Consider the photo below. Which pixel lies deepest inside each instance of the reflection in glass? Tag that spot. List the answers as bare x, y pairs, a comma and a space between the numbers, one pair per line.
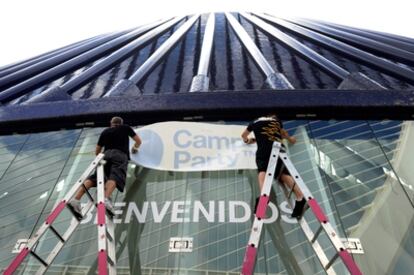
359, 171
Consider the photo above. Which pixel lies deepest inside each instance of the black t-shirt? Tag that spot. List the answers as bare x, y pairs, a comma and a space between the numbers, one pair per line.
116, 138
266, 130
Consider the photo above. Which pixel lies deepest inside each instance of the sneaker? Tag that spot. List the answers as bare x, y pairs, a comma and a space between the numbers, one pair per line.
298, 210
109, 206
76, 208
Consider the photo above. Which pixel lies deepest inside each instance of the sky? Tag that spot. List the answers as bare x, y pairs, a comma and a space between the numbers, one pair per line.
32, 27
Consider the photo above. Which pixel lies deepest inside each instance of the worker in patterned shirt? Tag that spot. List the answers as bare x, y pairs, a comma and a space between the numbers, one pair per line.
266, 130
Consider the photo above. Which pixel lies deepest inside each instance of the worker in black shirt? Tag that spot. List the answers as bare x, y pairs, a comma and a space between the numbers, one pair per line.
115, 142
267, 130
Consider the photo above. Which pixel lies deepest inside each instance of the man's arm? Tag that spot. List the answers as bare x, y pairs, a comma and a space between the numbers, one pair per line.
245, 137
137, 144
285, 135
98, 150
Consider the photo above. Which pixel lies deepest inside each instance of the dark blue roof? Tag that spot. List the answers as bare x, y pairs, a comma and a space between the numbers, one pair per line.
148, 63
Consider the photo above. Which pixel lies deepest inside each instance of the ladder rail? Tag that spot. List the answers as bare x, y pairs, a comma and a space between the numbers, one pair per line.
68, 233
323, 259
257, 226
106, 264
59, 208
323, 220
29, 248
314, 205
111, 247
84, 176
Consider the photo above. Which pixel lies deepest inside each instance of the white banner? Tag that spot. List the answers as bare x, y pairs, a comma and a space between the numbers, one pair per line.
193, 146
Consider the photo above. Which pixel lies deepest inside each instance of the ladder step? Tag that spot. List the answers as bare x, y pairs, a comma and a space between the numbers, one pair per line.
316, 235
43, 262
330, 263
110, 237
77, 215
88, 193
57, 234
110, 261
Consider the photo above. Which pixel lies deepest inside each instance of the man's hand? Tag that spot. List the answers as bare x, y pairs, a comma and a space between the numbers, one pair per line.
292, 140
245, 137
250, 140
285, 135
134, 150
137, 144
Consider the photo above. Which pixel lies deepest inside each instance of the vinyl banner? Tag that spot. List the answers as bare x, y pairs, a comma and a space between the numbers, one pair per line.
193, 146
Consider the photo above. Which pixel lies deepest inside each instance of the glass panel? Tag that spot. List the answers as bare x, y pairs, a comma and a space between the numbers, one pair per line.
358, 171
81, 249
36, 163
395, 138
370, 200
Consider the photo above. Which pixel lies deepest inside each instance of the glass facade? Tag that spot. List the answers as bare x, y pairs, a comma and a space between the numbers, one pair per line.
360, 172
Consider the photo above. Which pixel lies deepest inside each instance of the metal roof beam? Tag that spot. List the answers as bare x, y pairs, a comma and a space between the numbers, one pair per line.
130, 86
163, 50
306, 52
408, 46
390, 35
200, 82
85, 76
27, 72
366, 43
119, 54
379, 63
275, 80
11, 68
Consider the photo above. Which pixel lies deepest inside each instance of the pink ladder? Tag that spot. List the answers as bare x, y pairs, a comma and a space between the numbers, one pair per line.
253, 244
106, 237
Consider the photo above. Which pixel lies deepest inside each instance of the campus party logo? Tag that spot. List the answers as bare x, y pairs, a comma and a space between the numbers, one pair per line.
205, 150
192, 211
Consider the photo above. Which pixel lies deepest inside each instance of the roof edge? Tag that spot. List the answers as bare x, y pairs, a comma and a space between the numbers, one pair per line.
223, 105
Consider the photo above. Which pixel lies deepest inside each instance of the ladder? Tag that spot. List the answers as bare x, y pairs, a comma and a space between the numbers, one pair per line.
253, 244
106, 228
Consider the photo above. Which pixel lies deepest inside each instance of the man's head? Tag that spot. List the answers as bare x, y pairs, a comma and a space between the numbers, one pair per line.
116, 121
272, 114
